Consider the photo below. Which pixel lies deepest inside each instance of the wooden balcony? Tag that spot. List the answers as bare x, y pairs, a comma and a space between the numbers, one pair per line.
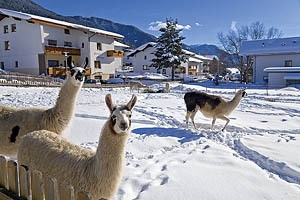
53, 50
115, 53
61, 71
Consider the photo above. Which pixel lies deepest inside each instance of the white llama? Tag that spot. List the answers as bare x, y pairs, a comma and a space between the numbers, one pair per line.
210, 106
98, 173
14, 122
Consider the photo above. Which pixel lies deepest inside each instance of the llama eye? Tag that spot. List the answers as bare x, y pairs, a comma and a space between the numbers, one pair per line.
129, 116
114, 116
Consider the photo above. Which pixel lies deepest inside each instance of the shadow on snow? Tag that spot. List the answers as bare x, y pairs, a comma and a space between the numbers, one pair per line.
183, 135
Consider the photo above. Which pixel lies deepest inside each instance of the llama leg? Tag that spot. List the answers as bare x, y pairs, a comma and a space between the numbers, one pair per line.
213, 123
192, 117
225, 119
187, 117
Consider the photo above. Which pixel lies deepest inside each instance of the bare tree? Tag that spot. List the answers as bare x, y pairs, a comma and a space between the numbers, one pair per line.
231, 43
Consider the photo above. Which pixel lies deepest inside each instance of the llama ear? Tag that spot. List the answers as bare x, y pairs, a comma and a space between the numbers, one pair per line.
86, 62
108, 102
132, 102
69, 62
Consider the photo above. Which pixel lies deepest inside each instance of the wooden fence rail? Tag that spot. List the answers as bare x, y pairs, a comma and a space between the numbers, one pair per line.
20, 183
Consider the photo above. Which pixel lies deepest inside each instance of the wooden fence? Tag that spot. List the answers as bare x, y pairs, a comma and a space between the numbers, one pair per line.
20, 183
18, 79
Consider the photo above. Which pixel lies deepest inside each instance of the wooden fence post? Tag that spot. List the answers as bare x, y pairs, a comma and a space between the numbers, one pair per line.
82, 195
66, 192
3, 172
51, 190
37, 185
13, 182
24, 180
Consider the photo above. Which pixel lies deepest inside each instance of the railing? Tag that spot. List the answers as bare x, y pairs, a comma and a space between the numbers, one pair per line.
115, 53
53, 50
19, 183
61, 71
18, 79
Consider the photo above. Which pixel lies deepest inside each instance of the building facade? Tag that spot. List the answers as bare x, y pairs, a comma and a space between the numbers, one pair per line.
33, 45
141, 59
276, 62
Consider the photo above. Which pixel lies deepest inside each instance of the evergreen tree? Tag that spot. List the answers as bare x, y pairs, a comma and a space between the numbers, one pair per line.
168, 53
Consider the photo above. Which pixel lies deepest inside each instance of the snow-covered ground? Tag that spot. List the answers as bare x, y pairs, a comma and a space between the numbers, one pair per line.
257, 157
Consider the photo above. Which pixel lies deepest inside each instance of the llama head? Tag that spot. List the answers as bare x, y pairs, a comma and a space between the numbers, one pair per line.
77, 73
120, 115
242, 92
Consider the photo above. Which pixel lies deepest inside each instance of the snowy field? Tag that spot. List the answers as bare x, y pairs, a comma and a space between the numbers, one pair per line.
257, 157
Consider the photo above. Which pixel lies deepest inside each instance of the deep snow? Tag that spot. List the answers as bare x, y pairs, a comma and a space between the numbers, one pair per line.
257, 157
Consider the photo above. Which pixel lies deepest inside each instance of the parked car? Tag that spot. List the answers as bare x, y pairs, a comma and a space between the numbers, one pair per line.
93, 81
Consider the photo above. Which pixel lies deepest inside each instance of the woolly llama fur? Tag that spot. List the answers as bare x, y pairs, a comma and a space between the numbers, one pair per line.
211, 106
136, 84
15, 123
98, 173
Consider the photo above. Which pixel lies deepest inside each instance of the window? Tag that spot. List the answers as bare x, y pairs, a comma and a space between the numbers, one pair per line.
7, 45
13, 28
82, 45
5, 28
97, 64
52, 42
16, 64
2, 65
288, 63
145, 57
145, 67
99, 46
68, 44
67, 31
53, 63
164, 71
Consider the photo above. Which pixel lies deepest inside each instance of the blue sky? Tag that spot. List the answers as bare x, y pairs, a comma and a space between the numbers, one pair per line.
201, 20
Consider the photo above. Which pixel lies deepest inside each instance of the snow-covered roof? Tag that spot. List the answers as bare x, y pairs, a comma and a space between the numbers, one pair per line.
192, 59
27, 16
292, 76
282, 69
142, 48
119, 44
197, 56
270, 46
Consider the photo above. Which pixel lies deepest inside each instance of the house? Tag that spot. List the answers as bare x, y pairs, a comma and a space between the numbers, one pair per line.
37, 45
276, 62
141, 59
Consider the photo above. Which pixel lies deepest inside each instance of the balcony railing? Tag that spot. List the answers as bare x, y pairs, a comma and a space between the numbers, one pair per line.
115, 53
61, 71
53, 50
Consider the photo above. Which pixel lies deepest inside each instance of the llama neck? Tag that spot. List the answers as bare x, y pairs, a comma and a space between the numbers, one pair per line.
234, 102
65, 103
110, 155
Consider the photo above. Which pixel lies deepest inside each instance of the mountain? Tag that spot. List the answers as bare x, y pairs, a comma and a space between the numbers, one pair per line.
206, 49
132, 35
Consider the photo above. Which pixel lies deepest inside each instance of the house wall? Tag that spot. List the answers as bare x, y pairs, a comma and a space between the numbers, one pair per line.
108, 64
262, 62
138, 60
276, 79
25, 45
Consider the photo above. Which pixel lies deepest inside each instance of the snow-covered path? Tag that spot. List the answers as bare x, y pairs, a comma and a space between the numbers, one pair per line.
257, 157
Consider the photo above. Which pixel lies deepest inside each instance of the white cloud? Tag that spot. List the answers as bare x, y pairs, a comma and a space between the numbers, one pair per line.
198, 24
233, 26
155, 26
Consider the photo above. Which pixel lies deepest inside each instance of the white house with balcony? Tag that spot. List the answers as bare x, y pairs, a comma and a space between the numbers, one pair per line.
141, 59
276, 62
34, 45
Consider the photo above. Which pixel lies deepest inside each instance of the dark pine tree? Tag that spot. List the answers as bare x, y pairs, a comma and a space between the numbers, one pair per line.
168, 51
